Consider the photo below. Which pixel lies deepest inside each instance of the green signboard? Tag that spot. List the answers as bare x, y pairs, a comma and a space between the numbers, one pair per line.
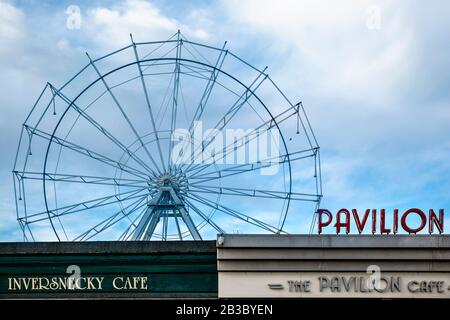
144, 269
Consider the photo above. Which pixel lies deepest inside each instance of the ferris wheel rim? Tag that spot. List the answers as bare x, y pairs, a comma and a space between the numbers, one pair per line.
126, 65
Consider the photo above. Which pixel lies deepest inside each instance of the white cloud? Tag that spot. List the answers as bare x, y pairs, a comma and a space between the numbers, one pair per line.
12, 29
110, 27
327, 46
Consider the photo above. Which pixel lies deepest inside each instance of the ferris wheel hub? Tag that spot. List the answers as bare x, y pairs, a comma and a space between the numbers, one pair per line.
176, 180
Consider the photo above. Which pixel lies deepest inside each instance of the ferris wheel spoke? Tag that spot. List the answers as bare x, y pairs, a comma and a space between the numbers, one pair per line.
249, 167
85, 179
147, 100
195, 54
201, 73
253, 134
119, 106
161, 109
133, 223
207, 91
85, 205
111, 220
233, 213
148, 65
26, 230
101, 129
176, 87
86, 152
253, 193
232, 111
195, 74
204, 217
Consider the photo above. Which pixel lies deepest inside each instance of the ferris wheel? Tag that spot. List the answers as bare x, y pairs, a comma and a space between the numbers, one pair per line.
165, 140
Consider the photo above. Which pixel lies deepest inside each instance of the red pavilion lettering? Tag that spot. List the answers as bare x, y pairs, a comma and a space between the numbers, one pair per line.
380, 221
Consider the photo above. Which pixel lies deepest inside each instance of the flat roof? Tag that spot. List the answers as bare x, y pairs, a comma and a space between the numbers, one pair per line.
335, 241
107, 247
230, 241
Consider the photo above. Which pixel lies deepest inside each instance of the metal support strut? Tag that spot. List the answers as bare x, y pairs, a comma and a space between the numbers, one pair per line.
165, 204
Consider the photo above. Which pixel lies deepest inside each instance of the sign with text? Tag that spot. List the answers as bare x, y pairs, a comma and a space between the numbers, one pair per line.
376, 221
92, 284
45, 283
333, 285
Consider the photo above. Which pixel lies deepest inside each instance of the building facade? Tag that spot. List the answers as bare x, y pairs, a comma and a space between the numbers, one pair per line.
234, 266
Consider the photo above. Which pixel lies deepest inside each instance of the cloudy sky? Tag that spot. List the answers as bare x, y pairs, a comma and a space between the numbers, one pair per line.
373, 76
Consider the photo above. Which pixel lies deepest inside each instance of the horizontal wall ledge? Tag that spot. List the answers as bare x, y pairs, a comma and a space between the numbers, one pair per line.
334, 241
280, 253
234, 253
107, 247
334, 266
